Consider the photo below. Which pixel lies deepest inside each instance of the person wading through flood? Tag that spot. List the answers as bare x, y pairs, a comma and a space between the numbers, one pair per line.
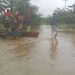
54, 25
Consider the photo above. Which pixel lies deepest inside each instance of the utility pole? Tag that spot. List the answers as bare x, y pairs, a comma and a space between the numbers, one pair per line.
65, 3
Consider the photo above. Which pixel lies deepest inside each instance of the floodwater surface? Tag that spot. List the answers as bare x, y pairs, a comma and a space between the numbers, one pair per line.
39, 56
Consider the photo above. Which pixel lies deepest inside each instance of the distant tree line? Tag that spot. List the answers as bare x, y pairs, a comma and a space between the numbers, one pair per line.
65, 16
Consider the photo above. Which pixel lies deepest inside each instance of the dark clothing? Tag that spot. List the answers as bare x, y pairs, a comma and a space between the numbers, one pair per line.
54, 20
28, 21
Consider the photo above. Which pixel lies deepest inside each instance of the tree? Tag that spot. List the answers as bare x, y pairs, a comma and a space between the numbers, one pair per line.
73, 7
22, 6
9, 3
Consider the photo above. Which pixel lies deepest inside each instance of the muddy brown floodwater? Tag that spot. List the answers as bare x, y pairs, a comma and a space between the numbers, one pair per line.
39, 56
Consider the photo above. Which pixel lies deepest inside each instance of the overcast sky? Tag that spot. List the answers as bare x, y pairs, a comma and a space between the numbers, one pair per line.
47, 7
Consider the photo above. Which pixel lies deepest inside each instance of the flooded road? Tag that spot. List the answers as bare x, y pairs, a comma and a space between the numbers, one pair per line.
39, 56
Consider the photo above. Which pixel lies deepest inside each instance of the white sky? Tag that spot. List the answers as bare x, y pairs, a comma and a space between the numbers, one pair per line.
47, 7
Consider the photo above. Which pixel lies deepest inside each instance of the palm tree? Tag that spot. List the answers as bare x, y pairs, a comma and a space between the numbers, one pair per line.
73, 6
10, 3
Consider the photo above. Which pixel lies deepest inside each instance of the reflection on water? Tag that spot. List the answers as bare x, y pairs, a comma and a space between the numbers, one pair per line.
39, 56
24, 50
54, 48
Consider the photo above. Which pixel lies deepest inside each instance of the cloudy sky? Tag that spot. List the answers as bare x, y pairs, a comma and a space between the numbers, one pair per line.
47, 7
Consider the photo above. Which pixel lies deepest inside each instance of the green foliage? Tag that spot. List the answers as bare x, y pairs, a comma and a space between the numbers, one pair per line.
64, 16
22, 6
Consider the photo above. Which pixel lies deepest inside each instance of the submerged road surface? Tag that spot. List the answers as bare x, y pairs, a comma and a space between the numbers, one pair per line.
39, 56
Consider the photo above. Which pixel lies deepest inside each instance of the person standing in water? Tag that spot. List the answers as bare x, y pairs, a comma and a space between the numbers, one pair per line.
29, 19
54, 25
8, 17
20, 20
